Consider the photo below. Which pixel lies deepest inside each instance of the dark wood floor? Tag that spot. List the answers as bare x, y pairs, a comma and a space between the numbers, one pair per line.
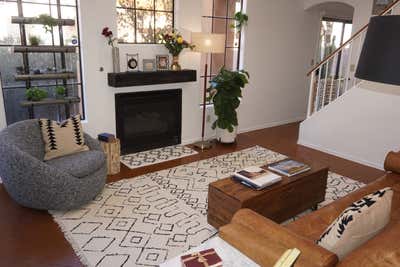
31, 238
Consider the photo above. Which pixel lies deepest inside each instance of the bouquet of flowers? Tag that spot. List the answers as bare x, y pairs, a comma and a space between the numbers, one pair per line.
109, 36
174, 42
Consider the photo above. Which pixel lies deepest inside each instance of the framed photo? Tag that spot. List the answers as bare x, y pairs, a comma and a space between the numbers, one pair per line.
380, 5
149, 64
162, 62
132, 62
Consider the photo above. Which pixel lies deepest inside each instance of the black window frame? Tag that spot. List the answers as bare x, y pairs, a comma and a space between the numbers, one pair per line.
228, 19
25, 57
154, 11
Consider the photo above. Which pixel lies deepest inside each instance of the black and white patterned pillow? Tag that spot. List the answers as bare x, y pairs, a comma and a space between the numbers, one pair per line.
358, 223
63, 138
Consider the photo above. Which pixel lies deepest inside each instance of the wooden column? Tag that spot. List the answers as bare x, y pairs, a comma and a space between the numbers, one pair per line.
113, 152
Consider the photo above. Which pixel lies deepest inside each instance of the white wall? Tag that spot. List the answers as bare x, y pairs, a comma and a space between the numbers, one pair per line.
100, 105
280, 43
363, 125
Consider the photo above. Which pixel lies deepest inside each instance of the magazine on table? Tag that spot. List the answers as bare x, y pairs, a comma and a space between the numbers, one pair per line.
289, 167
256, 177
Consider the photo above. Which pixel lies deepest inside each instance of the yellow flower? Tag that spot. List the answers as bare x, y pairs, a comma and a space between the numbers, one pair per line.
179, 40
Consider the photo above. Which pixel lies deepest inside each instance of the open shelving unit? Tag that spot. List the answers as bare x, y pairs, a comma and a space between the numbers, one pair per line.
27, 76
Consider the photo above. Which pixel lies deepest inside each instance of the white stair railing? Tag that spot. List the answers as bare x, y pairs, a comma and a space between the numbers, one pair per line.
326, 83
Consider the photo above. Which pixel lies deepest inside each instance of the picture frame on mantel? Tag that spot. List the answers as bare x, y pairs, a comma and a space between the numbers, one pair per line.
162, 62
149, 64
379, 6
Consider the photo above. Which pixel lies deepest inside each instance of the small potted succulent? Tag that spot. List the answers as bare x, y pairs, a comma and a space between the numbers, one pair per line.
225, 93
35, 94
34, 40
60, 92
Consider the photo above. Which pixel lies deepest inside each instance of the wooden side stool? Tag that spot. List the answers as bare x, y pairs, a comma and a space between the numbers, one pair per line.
113, 153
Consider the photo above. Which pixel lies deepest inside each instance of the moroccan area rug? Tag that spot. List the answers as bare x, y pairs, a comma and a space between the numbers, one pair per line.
157, 155
148, 219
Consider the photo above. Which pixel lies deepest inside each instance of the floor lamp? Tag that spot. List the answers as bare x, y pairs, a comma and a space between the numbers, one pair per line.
207, 43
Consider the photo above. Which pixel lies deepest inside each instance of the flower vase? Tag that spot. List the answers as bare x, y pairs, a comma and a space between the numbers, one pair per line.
175, 64
115, 59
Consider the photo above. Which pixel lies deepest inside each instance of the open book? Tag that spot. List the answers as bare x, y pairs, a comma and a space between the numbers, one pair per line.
256, 177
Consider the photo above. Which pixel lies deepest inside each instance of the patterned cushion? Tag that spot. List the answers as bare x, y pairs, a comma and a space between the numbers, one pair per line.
62, 138
358, 223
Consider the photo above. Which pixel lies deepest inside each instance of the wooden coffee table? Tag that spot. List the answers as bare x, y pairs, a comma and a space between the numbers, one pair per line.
278, 202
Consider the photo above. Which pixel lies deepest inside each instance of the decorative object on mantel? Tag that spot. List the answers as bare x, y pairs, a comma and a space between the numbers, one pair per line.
115, 50
175, 43
113, 153
132, 62
225, 92
149, 64
125, 79
162, 62
207, 43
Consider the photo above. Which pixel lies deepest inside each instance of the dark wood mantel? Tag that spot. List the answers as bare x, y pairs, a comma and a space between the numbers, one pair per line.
126, 79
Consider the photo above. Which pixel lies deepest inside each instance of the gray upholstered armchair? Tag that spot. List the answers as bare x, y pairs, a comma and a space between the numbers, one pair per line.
59, 184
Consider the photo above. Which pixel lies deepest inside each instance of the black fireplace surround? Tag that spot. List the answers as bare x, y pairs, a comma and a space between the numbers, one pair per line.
147, 120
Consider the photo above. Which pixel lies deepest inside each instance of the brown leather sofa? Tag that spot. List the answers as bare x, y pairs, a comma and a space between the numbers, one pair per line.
265, 241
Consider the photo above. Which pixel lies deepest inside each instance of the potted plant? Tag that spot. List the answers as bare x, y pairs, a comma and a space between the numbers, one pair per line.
47, 21
175, 43
60, 92
34, 40
35, 94
241, 19
225, 93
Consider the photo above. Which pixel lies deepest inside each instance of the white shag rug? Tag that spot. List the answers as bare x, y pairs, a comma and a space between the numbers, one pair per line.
146, 220
157, 155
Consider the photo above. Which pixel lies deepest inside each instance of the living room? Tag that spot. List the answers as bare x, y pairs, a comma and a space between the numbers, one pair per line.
125, 122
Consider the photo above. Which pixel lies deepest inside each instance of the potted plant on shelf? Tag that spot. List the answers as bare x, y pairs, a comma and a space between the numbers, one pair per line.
60, 92
34, 40
175, 43
35, 94
225, 93
47, 21
115, 50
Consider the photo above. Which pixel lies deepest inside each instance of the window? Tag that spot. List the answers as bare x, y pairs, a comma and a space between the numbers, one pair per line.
16, 35
139, 21
218, 16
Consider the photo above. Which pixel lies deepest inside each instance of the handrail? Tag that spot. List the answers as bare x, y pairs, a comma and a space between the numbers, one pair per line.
384, 12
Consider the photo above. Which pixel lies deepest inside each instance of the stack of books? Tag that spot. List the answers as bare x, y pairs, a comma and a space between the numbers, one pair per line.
260, 177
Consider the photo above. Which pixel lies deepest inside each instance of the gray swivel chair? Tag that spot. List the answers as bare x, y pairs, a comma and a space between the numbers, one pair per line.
60, 184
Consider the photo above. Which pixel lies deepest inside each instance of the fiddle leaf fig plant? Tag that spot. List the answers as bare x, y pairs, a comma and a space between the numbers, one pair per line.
241, 20
225, 93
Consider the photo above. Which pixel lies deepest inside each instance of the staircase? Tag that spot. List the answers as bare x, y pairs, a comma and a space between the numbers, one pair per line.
349, 118
325, 85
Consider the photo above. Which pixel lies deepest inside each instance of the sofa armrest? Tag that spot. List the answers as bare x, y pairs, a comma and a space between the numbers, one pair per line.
265, 241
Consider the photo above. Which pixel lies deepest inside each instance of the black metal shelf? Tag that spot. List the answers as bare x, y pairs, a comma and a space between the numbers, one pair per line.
138, 78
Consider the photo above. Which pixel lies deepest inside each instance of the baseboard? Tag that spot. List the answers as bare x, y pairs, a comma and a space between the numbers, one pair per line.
271, 124
340, 155
249, 129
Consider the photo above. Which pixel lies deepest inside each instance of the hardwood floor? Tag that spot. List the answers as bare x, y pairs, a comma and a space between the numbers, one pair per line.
31, 238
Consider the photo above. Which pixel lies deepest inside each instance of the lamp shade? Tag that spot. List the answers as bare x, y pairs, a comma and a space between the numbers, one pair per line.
208, 42
380, 56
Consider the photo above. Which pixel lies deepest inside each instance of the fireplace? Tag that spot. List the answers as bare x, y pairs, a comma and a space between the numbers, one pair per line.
147, 120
